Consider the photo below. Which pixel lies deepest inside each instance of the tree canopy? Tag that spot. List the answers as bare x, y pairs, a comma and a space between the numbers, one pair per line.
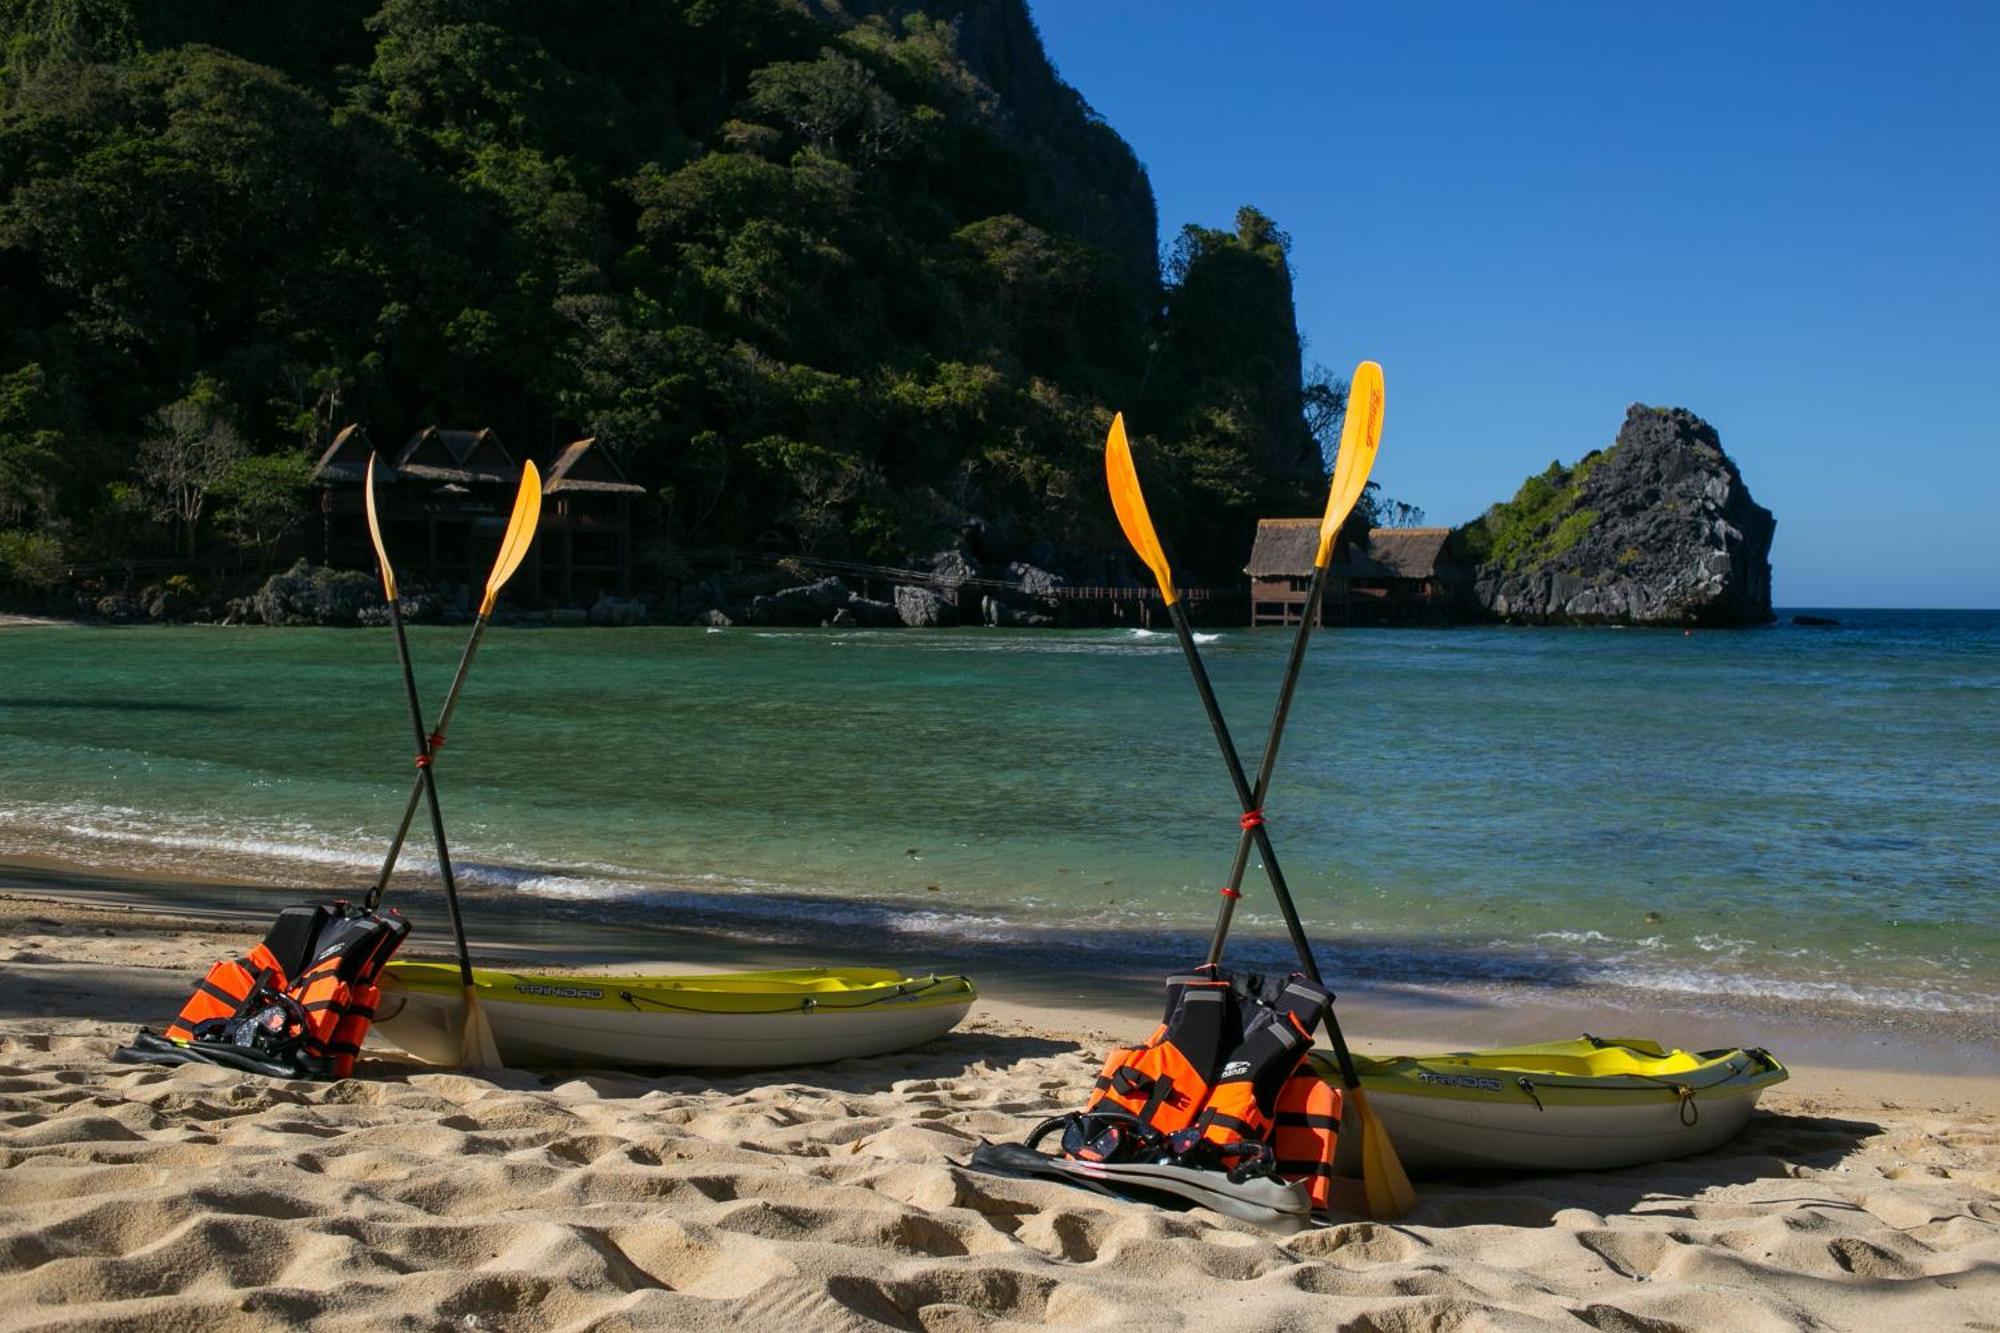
847, 276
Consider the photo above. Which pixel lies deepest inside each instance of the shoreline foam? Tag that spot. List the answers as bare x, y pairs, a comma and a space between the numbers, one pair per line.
1075, 977
1498, 967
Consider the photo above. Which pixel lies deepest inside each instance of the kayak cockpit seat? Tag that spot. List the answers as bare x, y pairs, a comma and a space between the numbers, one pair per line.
1590, 1059
722, 1019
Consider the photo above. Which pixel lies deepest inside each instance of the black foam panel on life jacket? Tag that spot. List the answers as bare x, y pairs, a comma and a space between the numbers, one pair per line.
1198, 1021
293, 935
353, 939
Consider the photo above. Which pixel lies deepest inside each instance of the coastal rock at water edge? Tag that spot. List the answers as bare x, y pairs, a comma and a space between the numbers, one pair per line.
117, 608
307, 595
169, 601
611, 610
807, 604
1034, 581
921, 608
997, 612
953, 567
1659, 529
714, 618
868, 612
419, 608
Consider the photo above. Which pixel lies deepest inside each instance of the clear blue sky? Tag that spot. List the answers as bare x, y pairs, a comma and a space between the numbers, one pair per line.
1785, 217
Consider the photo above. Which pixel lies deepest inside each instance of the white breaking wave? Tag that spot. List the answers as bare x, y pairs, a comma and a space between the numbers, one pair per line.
1199, 637
1692, 982
122, 826
122, 836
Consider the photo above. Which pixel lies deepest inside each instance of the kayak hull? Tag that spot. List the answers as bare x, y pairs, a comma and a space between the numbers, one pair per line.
1587, 1104
744, 1020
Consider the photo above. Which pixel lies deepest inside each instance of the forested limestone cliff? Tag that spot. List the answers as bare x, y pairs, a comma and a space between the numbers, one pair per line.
836, 277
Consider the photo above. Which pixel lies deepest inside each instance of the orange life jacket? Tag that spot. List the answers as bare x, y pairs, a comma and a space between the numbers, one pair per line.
226, 989
1307, 1131
1227, 1065
344, 1042
337, 990
318, 964
1243, 1105
1166, 1081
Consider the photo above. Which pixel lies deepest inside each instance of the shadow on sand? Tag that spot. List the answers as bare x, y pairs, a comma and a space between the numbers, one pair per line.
951, 1056
1772, 1146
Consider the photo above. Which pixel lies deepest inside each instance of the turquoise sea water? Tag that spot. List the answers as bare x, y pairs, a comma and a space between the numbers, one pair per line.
1787, 813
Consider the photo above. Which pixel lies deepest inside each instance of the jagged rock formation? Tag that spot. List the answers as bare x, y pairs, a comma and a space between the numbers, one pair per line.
306, 595
806, 604
1659, 529
921, 608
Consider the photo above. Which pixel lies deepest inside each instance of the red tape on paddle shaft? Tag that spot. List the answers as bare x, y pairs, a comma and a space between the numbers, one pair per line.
1251, 819
423, 761
436, 741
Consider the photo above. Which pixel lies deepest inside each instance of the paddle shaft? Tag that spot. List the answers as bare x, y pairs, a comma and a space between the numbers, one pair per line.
1246, 798
1278, 715
1244, 795
428, 781
433, 743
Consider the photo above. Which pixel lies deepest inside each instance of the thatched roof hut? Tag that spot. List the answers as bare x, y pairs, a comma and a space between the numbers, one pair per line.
588, 526
450, 513
1393, 553
1284, 548
582, 466
345, 461
467, 457
1395, 570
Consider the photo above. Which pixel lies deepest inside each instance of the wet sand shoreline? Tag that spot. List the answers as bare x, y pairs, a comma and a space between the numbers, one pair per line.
1958, 1054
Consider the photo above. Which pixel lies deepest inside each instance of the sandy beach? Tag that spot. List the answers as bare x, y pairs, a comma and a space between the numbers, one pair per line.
834, 1198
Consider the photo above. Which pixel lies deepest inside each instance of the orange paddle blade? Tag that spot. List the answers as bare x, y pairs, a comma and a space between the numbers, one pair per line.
1130, 505
1359, 439
520, 536
375, 535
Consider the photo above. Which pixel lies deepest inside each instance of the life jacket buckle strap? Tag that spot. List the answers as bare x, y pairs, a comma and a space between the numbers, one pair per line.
1129, 1082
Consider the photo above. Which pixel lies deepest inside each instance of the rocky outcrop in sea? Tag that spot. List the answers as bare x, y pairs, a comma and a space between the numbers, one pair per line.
1659, 529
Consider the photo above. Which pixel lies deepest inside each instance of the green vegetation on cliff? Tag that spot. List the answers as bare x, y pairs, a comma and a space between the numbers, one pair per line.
1541, 522
846, 275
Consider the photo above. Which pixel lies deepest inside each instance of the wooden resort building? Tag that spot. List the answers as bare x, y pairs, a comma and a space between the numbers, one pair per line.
585, 544
1386, 575
444, 501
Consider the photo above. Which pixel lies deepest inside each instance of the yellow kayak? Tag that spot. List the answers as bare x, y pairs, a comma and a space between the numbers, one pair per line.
1589, 1103
737, 1020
